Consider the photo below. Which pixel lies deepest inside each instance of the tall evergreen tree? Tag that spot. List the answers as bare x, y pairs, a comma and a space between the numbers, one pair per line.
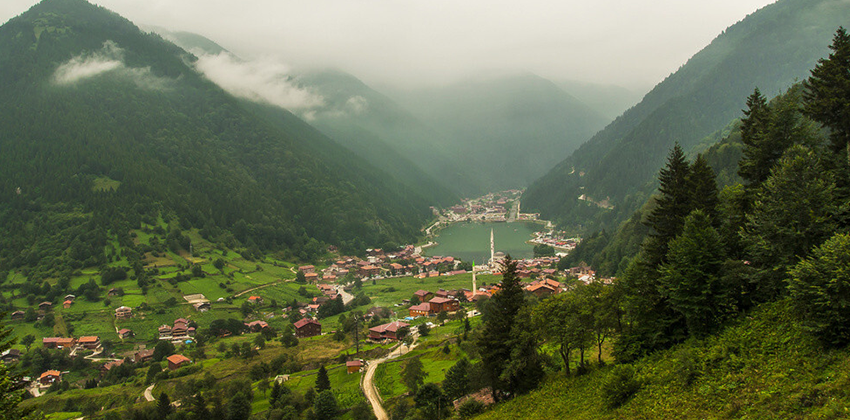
794, 212
691, 278
702, 182
497, 334
827, 95
672, 205
325, 406
322, 381
456, 383
753, 126
163, 406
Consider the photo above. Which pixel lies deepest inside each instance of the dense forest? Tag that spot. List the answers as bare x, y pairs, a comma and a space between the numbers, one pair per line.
85, 160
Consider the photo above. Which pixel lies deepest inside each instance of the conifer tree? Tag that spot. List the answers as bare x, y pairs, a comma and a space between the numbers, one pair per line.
497, 335
691, 278
794, 212
827, 94
702, 182
753, 126
322, 381
672, 206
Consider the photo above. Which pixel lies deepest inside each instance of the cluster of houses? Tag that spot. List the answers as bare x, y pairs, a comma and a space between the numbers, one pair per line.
178, 332
432, 304
91, 342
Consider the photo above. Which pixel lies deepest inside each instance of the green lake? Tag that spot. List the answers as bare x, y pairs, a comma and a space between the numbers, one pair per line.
471, 241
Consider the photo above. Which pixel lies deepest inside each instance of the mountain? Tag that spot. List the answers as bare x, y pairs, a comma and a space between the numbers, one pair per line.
510, 129
611, 175
104, 127
362, 120
608, 100
385, 135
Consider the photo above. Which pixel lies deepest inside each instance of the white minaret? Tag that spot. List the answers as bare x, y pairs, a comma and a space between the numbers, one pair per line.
492, 248
474, 284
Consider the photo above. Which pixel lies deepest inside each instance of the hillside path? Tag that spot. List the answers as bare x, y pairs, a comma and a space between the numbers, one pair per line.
258, 287
149, 393
368, 383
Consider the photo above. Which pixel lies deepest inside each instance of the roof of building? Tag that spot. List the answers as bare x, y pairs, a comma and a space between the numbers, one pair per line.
50, 373
124, 331
352, 363
391, 327
88, 339
439, 300
178, 358
423, 307
304, 321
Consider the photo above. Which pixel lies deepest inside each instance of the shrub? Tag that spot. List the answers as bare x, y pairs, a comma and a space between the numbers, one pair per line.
620, 385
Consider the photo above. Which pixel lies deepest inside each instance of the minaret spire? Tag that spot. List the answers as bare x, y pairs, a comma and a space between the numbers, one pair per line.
492, 248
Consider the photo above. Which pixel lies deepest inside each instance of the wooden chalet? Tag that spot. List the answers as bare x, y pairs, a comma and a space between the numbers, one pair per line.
143, 356
307, 327
18, 315
45, 306
423, 295
123, 312
49, 377
387, 331
257, 326
57, 342
90, 342
176, 361
439, 304
125, 333
354, 366
422, 309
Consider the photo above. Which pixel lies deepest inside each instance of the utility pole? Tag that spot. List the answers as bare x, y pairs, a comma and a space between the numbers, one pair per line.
357, 335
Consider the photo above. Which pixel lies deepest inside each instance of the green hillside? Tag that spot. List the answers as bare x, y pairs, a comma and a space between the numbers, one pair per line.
104, 127
770, 49
763, 367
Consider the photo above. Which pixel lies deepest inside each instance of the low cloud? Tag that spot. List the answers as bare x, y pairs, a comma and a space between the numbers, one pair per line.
109, 59
260, 81
357, 104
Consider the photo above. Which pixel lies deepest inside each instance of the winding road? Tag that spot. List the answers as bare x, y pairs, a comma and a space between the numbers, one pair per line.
368, 383
149, 393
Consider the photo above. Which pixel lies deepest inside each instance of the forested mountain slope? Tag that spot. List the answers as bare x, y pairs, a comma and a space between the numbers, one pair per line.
375, 130
770, 49
102, 126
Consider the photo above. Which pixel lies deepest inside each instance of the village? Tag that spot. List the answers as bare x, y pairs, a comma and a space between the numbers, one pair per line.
397, 295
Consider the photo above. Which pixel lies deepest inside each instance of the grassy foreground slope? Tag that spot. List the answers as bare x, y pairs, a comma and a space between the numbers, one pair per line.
764, 367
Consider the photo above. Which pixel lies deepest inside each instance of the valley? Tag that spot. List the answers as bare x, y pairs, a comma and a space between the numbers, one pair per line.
265, 219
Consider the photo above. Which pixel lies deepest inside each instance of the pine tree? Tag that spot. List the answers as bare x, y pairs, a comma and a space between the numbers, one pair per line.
456, 383
325, 406
163, 406
500, 316
827, 95
672, 205
413, 374
794, 212
691, 279
322, 381
702, 182
753, 128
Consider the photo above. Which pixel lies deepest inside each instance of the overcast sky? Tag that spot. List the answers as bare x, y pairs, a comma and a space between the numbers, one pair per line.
631, 43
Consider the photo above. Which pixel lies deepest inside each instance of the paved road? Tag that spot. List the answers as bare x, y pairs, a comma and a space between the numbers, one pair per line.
149, 393
368, 384
346, 297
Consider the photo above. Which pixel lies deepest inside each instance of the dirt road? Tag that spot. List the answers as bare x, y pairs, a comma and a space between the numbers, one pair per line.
149, 393
368, 383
